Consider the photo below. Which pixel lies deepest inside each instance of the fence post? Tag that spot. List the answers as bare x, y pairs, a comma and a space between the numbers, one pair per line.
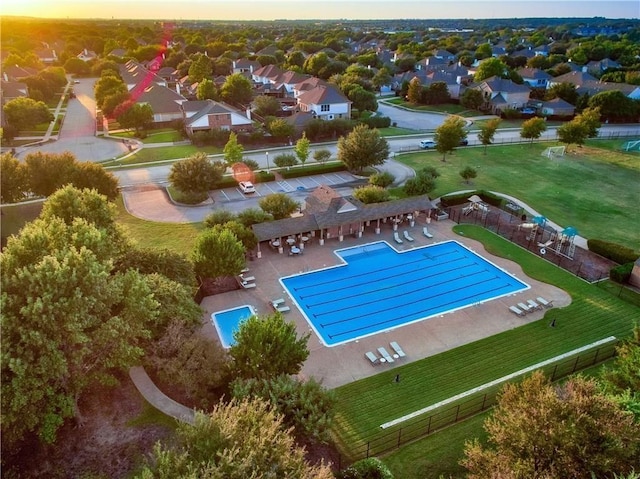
368, 448
429, 425
457, 412
553, 375
595, 358
575, 365
399, 436
484, 400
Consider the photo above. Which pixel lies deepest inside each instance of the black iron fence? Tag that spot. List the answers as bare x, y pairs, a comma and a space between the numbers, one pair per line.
382, 441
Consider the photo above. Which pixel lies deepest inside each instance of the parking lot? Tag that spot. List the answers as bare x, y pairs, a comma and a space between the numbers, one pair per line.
303, 185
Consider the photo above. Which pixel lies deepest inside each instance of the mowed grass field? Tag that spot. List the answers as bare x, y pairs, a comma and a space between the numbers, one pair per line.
594, 314
593, 189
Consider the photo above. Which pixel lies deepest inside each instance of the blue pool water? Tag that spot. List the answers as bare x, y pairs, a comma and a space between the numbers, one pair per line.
227, 322
378, 288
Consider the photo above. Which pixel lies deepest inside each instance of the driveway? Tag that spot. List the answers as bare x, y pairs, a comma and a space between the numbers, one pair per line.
413, 120
78, 131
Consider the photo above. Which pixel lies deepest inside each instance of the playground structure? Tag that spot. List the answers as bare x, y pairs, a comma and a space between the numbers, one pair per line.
554, 152
560, 242
476, 204
633, 145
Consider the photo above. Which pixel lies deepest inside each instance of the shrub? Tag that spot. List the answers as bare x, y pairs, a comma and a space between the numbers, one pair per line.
313, 170
621, 273
371, 468
383, 179
377, 121
187, 197
285, 160
613, 251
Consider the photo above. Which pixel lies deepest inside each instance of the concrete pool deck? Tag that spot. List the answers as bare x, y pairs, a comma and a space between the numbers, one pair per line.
345, 363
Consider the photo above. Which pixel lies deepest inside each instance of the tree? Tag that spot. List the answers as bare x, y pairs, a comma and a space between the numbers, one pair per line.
233, 150
14, 182
488, 131
137, 116
533, 128
489, 68
302, 149
371, 194
113, 103
49, 171
170, 264
449, 135
219, 217
244, 233
614, 105
383, 179
590, 119
472, 99
196, 174
468, 173
108, 84
414, 93
24, 113
562, 431
322, 155
68, 323
423, 183
573, 132
362, 99
267, 105
279, 205
281, 128
237, 440
237, 90
285, 160
371, 467
217, 253
361, 148
304, 405
200, 68
206, 90
381, 78
93, 176
566, 91
266, 347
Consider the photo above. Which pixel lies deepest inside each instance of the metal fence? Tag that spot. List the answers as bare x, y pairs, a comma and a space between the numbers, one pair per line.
382, 441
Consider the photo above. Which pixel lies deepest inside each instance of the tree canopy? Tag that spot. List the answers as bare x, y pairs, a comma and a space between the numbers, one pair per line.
216, 253
361, 148
24, 113
196, 174
533, 128
449, 135
279, 205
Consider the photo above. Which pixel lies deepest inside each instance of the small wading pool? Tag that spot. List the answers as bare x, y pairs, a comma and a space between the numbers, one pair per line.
226, 322
378, 288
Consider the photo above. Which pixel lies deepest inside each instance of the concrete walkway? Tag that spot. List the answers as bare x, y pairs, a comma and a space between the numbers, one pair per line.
158, 399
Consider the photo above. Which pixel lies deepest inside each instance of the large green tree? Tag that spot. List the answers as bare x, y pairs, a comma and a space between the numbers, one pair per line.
137, 116
237, 90
361, 148
207, 90
615, 105
279, 205
449, 135
472, 99
87, 174
238, 440
533, 128
266, 347
14, 182
24, 113
233, 150
196, 174
49, 171
489, 68
200, 69
217, 253
302, 149
68, 323
543, 430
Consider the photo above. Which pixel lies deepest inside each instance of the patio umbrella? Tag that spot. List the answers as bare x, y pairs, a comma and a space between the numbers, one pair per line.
539, 220
569, 231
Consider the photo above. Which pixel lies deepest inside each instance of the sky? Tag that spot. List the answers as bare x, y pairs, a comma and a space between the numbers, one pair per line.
318, 9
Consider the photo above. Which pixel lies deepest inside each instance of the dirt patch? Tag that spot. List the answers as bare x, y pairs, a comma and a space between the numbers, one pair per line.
105, 446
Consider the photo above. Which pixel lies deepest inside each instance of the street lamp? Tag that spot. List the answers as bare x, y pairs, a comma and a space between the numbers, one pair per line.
267, 153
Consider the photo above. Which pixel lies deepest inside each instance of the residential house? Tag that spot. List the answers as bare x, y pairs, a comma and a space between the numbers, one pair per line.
133, 74
444, 55
535, 77
16, 73
87, 55
577, 78
243, 65
170, 75
325, 102
557, 107
598, 67
10, 90
266, 74
207, 115
164, 102
501, 94
118, 53
444, 77
48, 56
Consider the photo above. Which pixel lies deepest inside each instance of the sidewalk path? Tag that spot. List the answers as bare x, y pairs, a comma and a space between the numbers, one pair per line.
158, 399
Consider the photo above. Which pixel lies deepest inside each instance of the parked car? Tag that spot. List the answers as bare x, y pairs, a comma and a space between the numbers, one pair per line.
528, 111
464, 142
247, 187
427, 144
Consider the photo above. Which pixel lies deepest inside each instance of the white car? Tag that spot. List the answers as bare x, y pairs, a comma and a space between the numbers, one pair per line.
247, 187
427, 144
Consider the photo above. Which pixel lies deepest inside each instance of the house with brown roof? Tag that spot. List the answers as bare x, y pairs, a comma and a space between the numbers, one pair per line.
207, 115
266, 74
326, 102
326, 216
535, 77
164, 102
557, 107
501, 94
244, 65
87, 55
134, 74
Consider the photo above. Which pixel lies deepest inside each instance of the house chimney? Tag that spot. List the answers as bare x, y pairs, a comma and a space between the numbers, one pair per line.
249, 113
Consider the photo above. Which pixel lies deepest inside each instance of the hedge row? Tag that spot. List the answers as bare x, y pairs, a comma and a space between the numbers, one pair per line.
461, 198
615, 252
315, 169
621, 274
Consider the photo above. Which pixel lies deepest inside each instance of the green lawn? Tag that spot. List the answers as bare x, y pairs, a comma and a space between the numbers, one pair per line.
163, 135
593, 189
593, 315
150, 155
451, 108
151, 234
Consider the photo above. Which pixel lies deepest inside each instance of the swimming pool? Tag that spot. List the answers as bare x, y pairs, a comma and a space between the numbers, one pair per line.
227, 322
378, 288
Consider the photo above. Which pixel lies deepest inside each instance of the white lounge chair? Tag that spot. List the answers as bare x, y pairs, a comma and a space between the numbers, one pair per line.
372, 357
248, 279
406, 235
277, 302
532, 304
517, 311
525, 308
385, 354
396, 347
246, 285
396, 237
282, 309
544, 302
425, 231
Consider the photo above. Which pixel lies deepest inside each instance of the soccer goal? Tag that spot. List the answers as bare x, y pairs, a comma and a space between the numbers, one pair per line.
554, 152
633, 145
